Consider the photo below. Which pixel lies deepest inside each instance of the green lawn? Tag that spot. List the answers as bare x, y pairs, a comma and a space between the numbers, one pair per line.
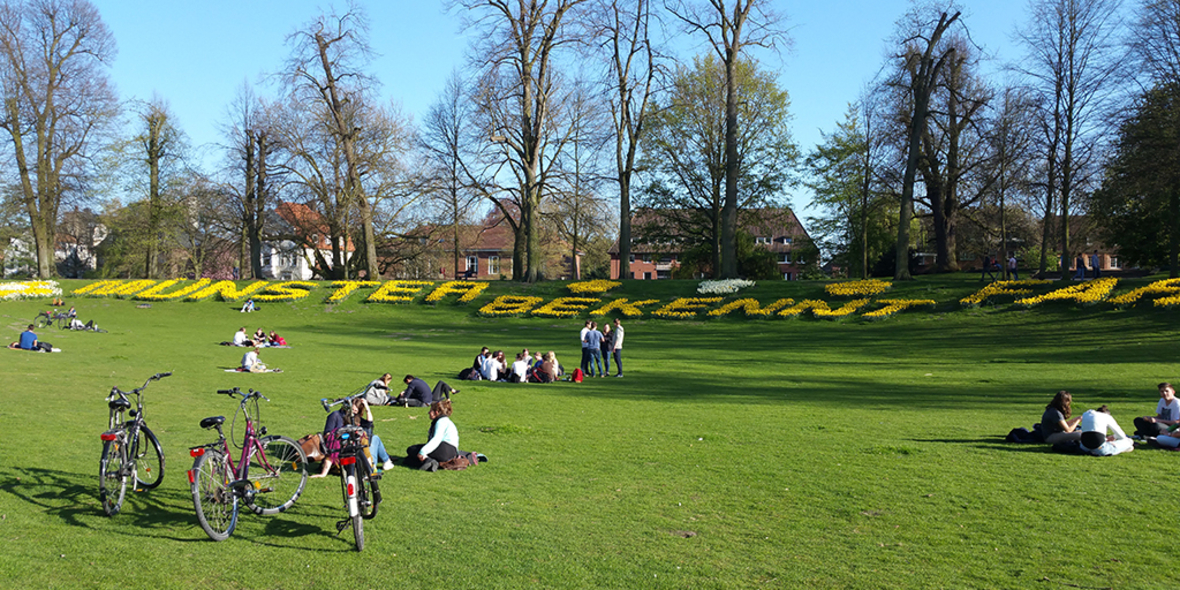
735, 453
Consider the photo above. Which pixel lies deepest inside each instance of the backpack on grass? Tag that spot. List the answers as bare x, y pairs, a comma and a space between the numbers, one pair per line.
577, 376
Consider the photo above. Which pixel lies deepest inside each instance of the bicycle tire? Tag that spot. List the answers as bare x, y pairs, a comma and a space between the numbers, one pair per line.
149, 459
43, 321
279, 481
112, 478
368, 494
358, 519
216, 504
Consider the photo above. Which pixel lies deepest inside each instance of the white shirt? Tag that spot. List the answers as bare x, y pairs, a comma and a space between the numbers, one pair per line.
249, 360
618, 338
1094, 421
1168, 411
1012, 263
582, 337
520, 368
239, 338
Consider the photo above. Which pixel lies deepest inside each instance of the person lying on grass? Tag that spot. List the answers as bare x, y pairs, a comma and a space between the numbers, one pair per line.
419, 395
1055, 422
1167, 414
356, 413
1094, 426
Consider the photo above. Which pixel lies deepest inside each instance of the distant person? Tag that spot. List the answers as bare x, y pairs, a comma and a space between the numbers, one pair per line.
606, 347
493, 366
1094, 426
356, 413
419, 395
584, 364
1167, 414
259, 338
377, 391
520, 368
248, 306
240, 338
549, 370
276, 340
1080, 273
475, 371
987, 268
251, 363
618, 347
1096, 264
28, 341
1055, 422
594, 345
1012, 274
443, 443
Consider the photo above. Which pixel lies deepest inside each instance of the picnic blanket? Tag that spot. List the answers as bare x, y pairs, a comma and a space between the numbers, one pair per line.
241, 370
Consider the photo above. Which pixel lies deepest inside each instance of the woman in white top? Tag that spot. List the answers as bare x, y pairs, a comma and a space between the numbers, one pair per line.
444, 438
251, 364
1094, 426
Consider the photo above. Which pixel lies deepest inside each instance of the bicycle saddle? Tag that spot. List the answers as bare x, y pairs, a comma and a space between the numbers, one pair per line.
212, 421
119, 404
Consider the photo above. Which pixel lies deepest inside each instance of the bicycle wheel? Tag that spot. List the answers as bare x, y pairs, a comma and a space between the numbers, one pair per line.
112, 478
277, 475
215, 503
348, 476
149, 459
368, 494
43, 320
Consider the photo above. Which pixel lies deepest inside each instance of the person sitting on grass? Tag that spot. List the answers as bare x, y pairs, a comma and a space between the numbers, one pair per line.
276, 340
443, 444
520, 368
377, 391
1167, 414
251, 363
1055, 422
259, 337
356, 413
240, 338
493, 366
248, 306
1094, 426
28, 341
419, 395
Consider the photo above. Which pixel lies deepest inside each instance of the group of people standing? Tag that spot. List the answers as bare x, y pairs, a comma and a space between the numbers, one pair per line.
599, 346
1097, 432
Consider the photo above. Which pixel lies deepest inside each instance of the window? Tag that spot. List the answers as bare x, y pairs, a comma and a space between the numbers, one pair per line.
631, 258
787, 241
665, 260
1114, 262
647, 276
785, 258
473, 263
266, 257
761, 240
647, 258
788, 276
494, 265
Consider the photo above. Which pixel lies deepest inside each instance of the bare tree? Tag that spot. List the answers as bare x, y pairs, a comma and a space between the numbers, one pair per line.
518, 61
1011, 140
161, 145
446, 137
624, 31
922, 59
325, 72
1073, 65
53, 79
251, 174
725, 27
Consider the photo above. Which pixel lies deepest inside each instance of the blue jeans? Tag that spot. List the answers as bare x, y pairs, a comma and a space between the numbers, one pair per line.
619, 361
377, 448
595, 361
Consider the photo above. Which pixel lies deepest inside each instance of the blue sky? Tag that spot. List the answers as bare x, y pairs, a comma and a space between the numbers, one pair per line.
196, 55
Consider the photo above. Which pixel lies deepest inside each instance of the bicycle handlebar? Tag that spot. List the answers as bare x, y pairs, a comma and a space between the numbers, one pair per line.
116, 391
245, 396
328, 405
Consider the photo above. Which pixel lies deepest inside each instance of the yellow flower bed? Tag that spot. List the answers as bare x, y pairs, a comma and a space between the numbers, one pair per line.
467, 290
398, 291
893, 306
346, 288
286, 291
157, 292
998, 288
114, 287
595, 286
751, 307
685, 307
1085, 294
1166, 287
509, 305
227, 291
820, 309
628, 308
565, 307
867, 287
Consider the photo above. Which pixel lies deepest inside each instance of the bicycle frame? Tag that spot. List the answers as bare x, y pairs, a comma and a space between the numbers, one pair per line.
251, 446
116, 425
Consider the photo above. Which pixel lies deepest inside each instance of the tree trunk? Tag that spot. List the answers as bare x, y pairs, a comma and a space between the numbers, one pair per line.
728, 268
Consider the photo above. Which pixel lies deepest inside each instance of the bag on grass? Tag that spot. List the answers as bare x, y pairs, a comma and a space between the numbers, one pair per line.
469, 374
312, 446
578, 376
457, 464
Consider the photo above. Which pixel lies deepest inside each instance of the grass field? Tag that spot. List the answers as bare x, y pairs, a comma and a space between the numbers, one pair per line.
734, 454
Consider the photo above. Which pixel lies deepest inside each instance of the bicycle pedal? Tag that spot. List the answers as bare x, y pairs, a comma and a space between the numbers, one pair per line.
374, 476
341, 525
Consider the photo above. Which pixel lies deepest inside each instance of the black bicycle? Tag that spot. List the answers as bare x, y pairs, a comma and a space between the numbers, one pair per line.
358, 478
130, 450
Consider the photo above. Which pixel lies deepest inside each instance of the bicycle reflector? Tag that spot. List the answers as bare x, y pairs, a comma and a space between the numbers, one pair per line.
191, 478
347, 460
108, 436
351, 491
197, 452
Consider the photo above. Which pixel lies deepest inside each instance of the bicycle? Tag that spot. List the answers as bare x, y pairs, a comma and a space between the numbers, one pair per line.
46, 319
358, 478
129, 449
268, 477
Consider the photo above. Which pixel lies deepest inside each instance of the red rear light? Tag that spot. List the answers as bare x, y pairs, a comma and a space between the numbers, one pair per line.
196, 452
351, 491
108, 436
347, 460
191, 478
